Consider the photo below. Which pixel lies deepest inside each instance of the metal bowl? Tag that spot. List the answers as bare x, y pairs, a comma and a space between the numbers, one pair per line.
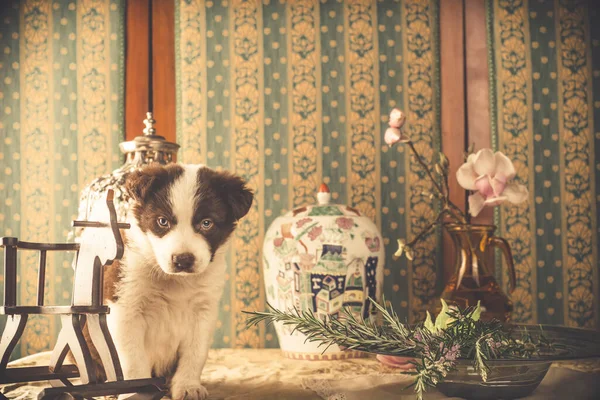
506, 380
519, 377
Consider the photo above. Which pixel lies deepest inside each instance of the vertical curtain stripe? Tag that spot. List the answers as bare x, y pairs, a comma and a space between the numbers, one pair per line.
333, 82
10, 125
247, 127
514, 125
578, 204
64, 146
231, 164
305, 94
595, 49
37, 194
277, 148
192, 82
420, 83
362, 106
392, 162
545, 166
217, 115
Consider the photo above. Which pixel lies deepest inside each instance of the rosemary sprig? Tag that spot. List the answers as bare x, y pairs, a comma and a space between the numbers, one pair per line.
347, 332
458, 334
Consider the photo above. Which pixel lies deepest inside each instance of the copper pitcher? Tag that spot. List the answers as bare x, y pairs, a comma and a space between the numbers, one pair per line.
473, 279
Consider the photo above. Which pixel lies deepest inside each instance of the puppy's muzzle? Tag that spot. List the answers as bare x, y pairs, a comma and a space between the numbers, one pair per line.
183, 262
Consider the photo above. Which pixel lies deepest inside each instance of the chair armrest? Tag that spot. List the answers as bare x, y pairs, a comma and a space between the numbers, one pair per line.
48, 246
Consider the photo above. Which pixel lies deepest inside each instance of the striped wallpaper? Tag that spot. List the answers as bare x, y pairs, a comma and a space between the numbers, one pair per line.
545, 58
292, 93
61, 114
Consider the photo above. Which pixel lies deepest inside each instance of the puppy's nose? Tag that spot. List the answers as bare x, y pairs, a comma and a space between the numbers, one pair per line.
183, 261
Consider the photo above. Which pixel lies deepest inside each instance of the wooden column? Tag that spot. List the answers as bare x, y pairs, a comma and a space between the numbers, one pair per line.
150, 66
453, 108
137, 66
477, 82
163, 67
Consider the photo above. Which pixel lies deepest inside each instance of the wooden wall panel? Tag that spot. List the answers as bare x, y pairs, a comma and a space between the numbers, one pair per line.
452, 64
163, 67
137, 66
477, 86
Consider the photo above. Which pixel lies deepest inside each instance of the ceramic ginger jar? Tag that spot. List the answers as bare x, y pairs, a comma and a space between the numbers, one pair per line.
322, 258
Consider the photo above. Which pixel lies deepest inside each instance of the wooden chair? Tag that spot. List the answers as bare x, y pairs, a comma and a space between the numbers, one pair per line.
101, 243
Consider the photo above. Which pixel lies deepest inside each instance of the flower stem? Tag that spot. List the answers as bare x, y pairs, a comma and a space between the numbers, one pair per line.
448, 205
424, 166
428, 229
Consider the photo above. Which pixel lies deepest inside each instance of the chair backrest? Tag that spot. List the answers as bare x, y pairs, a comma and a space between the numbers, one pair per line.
100, 244
11, 246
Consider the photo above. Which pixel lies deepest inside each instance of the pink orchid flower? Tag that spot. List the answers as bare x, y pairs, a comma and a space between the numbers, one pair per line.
489, 175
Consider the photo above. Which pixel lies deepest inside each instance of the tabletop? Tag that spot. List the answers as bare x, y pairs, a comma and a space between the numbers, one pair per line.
265, 374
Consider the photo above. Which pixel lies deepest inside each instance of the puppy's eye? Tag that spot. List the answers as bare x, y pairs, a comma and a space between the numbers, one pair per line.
206, 224
162, 222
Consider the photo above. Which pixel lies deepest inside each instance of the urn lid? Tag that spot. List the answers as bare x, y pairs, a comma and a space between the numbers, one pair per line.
324, 207
149, 147
140, 151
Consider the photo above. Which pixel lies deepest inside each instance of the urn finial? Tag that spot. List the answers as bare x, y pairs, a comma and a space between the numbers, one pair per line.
149, 130
324, 195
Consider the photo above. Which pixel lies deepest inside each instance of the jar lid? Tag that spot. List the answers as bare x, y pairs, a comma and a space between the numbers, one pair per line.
149, 147
324, 207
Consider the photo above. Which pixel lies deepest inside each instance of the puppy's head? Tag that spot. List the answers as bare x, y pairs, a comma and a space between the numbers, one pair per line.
186, 212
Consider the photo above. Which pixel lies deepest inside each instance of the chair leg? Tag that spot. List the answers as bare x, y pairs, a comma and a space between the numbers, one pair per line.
13, 330
71, 337
61, 349
105, 346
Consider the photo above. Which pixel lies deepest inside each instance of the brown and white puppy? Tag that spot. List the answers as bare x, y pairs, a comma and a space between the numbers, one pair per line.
164, 294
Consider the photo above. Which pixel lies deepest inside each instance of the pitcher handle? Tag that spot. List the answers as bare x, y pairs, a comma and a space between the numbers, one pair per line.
503, 245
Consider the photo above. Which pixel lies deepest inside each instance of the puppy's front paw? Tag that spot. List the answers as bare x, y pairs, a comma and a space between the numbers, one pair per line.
197, 392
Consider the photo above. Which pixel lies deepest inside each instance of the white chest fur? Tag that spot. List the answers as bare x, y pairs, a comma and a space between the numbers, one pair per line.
157, 317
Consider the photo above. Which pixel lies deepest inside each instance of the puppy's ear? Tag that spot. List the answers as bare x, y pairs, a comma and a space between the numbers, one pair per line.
138, 184
230, 188
143, 182
238, 195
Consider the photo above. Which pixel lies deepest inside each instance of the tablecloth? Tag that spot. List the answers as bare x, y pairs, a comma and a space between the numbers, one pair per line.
264, 374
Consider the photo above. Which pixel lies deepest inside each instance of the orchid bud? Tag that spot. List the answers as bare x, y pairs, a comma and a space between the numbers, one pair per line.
444, 161
397, 118
392, 136
409, 253
401, 246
